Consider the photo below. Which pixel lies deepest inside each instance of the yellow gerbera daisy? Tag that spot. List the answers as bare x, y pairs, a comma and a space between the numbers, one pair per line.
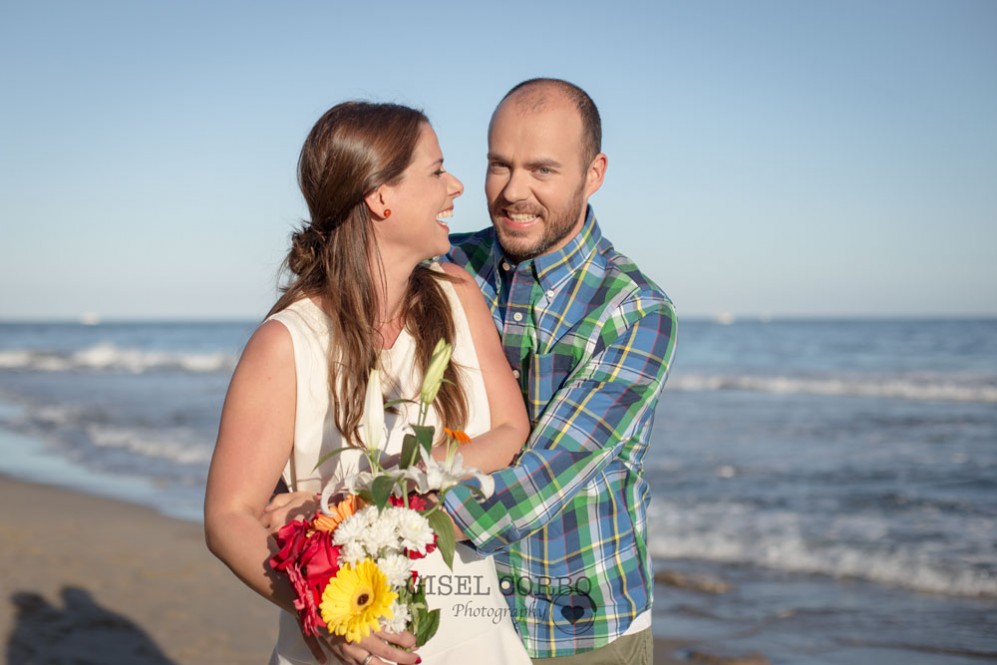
355, 600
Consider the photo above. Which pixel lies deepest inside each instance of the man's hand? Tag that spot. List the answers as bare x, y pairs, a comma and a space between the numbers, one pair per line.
284, 508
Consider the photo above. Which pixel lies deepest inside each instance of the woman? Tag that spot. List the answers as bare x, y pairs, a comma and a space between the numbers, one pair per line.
362, 297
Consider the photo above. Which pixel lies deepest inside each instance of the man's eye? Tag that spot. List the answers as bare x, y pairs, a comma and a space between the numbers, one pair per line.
497, 168
544, 170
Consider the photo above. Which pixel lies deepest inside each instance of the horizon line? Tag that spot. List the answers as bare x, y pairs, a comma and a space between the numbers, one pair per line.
721, 318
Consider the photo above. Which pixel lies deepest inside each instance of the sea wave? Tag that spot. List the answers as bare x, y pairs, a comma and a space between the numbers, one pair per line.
934, 388
91, 438
109, 357
176, 445
735, 534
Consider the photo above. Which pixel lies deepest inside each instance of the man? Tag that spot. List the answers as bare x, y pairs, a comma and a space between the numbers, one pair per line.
590, 340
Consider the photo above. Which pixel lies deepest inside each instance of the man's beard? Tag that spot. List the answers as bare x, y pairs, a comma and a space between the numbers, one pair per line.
557, 225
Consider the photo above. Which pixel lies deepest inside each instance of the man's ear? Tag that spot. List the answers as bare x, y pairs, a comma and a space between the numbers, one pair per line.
595, 174
377, 203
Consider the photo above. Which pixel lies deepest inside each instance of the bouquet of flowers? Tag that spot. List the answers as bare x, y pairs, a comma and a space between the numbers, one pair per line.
351, 563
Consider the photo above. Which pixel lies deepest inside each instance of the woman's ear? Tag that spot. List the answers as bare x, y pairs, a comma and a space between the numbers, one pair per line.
377, 204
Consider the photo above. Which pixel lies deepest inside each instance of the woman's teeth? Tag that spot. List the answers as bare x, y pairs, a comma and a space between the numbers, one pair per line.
442, 217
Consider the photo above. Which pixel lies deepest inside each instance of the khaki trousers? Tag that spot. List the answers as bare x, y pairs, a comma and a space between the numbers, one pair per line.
635, 649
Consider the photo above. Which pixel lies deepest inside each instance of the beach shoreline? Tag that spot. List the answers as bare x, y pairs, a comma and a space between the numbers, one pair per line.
112, 581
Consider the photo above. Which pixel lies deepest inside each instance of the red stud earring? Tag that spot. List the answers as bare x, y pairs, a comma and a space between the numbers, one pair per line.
387, 213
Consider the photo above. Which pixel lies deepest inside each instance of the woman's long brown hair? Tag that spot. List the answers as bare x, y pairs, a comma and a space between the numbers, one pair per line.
351, 151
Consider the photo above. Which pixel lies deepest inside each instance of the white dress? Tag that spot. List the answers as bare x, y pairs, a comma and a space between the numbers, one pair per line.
474, 617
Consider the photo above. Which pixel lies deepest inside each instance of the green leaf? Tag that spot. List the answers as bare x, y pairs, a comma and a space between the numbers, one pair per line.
424, 434
410, 451
440, 522
380, 490
329, 455
417, 594
427, 627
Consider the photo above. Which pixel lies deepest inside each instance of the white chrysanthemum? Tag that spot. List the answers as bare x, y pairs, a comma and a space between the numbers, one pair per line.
414, 531
350, 530
399, 620
380, 536
353, 552
395, 515
397, 568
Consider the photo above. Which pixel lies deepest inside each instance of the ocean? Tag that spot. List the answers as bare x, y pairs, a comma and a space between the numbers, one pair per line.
826, 489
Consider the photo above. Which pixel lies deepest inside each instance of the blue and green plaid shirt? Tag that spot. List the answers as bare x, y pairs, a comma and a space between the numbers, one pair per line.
591, 340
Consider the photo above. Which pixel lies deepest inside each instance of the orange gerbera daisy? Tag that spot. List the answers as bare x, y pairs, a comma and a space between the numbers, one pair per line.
340, 512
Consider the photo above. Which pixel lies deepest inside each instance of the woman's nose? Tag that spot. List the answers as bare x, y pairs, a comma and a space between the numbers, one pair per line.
456, 187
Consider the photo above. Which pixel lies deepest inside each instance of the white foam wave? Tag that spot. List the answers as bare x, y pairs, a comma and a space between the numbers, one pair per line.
104, 357
183, 445
737, 534
174, 445
912, 388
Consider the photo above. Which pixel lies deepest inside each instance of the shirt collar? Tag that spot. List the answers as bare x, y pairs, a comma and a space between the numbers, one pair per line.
552, 268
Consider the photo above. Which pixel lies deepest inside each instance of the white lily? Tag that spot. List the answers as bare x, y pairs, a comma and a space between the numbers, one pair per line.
373, 413
434, 373
442, 476
352, 474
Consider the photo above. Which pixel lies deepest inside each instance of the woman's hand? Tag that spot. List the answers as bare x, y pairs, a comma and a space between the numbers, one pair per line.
381, 648
285, 508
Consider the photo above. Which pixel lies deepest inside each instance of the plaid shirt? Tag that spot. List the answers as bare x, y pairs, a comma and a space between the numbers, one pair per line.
591, 339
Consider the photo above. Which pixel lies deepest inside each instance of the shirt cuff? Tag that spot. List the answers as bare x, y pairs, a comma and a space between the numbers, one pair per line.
462, 505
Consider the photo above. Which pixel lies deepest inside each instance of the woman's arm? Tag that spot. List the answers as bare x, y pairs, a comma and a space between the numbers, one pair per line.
254, 443
255, 440
509, 423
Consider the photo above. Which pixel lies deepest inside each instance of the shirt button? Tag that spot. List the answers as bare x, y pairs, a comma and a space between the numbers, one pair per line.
517, 316
506, 266
515, 373
550, 294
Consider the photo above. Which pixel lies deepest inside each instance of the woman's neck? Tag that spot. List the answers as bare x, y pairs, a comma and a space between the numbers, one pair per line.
392, 287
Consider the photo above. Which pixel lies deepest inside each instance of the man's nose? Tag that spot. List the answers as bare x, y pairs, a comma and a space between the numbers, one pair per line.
517, 187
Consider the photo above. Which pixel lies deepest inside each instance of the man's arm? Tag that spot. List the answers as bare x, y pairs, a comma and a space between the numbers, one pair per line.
584, 428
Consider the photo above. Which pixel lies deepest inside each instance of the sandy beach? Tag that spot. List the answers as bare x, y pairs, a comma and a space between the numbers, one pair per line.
92, 580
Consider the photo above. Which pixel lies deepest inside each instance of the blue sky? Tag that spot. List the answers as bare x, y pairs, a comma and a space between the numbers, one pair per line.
780, 158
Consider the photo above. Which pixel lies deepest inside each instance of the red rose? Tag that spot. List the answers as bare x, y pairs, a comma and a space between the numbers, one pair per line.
309, 561
319, 562
290, 539
415, 502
